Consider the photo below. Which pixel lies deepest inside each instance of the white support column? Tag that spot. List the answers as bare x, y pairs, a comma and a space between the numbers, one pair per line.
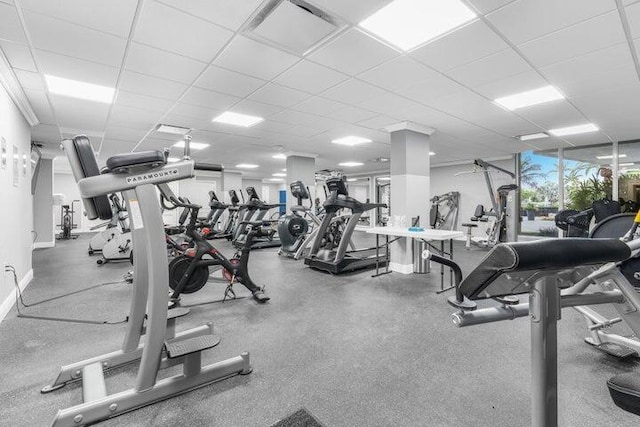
410, 184
300, 168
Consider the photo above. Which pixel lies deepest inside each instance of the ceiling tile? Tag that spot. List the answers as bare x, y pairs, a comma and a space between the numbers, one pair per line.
354, 11
29, 80
198, 112
19, 56
495, 67
339, 54
41, 106
125, 134
72, 40
76, 69
305, 119
282, 96
433, 86
588, 36
353, 92
229, 82
255, 108
525, 20
10, 25
255, 59
378, 122
113, 16
159, 63
399, 73
618, 104
125, 116
209, 99
79, 114
633, 17
152, 86
470, 43
185, 121
319, 106
511, 85
401, 108
135, 100
228, 13
310, 77
552, 114
272, 126
352, 114
600, 84
486, 6
168, 28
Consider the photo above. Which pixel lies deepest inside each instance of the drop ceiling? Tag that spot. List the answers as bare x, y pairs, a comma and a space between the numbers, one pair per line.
185, 62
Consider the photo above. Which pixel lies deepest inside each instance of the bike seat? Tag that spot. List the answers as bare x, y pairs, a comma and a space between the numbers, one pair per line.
122, 162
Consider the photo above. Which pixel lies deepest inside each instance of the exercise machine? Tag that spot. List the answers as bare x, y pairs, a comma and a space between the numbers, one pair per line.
117, 249
575, 223
502, 217
543, 270
189, 272
329, 250
255, 211
137, 174
444, 211
113, 228
216, 209
67, 223
298, 230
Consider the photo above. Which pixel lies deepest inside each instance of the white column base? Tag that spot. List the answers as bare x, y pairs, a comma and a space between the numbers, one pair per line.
401, 268
10, 300
41, 245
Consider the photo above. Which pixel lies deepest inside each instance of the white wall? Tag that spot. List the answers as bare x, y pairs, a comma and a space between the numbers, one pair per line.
65, 183
472, 188
17, 212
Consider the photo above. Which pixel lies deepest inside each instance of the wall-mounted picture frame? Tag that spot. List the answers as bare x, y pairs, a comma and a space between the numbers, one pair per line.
16, 165
3, 153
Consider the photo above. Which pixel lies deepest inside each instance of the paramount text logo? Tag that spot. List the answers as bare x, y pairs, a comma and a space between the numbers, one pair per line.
138, 179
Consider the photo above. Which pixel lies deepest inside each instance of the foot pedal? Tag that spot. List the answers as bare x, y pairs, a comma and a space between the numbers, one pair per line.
616, 350
177, 312
181, 347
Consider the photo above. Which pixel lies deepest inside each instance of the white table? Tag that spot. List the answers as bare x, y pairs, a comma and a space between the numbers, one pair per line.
428, 235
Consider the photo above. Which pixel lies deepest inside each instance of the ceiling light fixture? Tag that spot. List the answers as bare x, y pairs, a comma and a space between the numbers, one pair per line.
82, 90
431, 153
192, 145
574, 130
278, 174
237, 119
246, 166
279, 156
531, 136
625, 164
352, 179
350, 164
610, 156
531, 97
176, 130
351, 140
410, 23
276, 179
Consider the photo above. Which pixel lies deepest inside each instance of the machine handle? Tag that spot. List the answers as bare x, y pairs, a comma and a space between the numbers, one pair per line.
212, 167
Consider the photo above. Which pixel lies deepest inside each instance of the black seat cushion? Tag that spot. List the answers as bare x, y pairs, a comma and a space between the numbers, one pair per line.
121, 162
90, 168
547, 255
625, 391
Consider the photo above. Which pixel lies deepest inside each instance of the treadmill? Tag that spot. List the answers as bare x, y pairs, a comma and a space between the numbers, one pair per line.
254, 210
217, 208
332, 256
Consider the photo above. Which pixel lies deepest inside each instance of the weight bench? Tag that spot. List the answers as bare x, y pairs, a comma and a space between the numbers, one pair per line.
540, 269
137, 174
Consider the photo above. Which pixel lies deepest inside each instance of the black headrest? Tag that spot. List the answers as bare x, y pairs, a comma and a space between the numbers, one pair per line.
90, 168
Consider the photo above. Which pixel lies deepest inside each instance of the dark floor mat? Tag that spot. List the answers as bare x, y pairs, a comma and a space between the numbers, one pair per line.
300, 418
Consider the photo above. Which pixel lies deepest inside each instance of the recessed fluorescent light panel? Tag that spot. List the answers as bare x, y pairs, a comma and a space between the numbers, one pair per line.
192, 145
279, 174
409, 23
279, 156
351, 140
276, 179
82, 90
176, 130
531, 136
574, 130
284, 170
625, 164
246, 166
237, 119
610, 156
384, 178
350, 164
352, 179
431, 153
530, 97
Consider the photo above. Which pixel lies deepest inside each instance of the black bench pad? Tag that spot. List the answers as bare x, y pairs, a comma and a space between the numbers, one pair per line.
547, 254
139, 158
625, 391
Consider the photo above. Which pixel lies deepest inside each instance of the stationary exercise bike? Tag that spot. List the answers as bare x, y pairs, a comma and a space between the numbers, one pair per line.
298, 230
189, 272
66, 214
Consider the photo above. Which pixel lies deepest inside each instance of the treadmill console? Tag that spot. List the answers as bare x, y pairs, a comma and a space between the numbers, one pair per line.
337, 185
251, 192
299, 191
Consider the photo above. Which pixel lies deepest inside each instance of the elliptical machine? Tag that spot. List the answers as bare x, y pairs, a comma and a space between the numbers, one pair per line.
114, 227
294, 229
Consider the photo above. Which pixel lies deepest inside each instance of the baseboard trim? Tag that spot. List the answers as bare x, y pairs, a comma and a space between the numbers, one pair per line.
42, 245
401, 268
10, 300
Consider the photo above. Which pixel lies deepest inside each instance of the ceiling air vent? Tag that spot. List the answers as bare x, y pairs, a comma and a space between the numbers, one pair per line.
293, 25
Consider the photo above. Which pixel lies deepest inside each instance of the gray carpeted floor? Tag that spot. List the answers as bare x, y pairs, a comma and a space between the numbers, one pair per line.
353, 350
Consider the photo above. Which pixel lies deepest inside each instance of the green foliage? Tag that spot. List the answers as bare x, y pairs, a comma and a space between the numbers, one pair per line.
527, 195
583, 193
529, 171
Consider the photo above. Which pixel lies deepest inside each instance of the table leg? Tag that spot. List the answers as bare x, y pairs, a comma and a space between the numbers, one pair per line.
442, 289
386, 255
